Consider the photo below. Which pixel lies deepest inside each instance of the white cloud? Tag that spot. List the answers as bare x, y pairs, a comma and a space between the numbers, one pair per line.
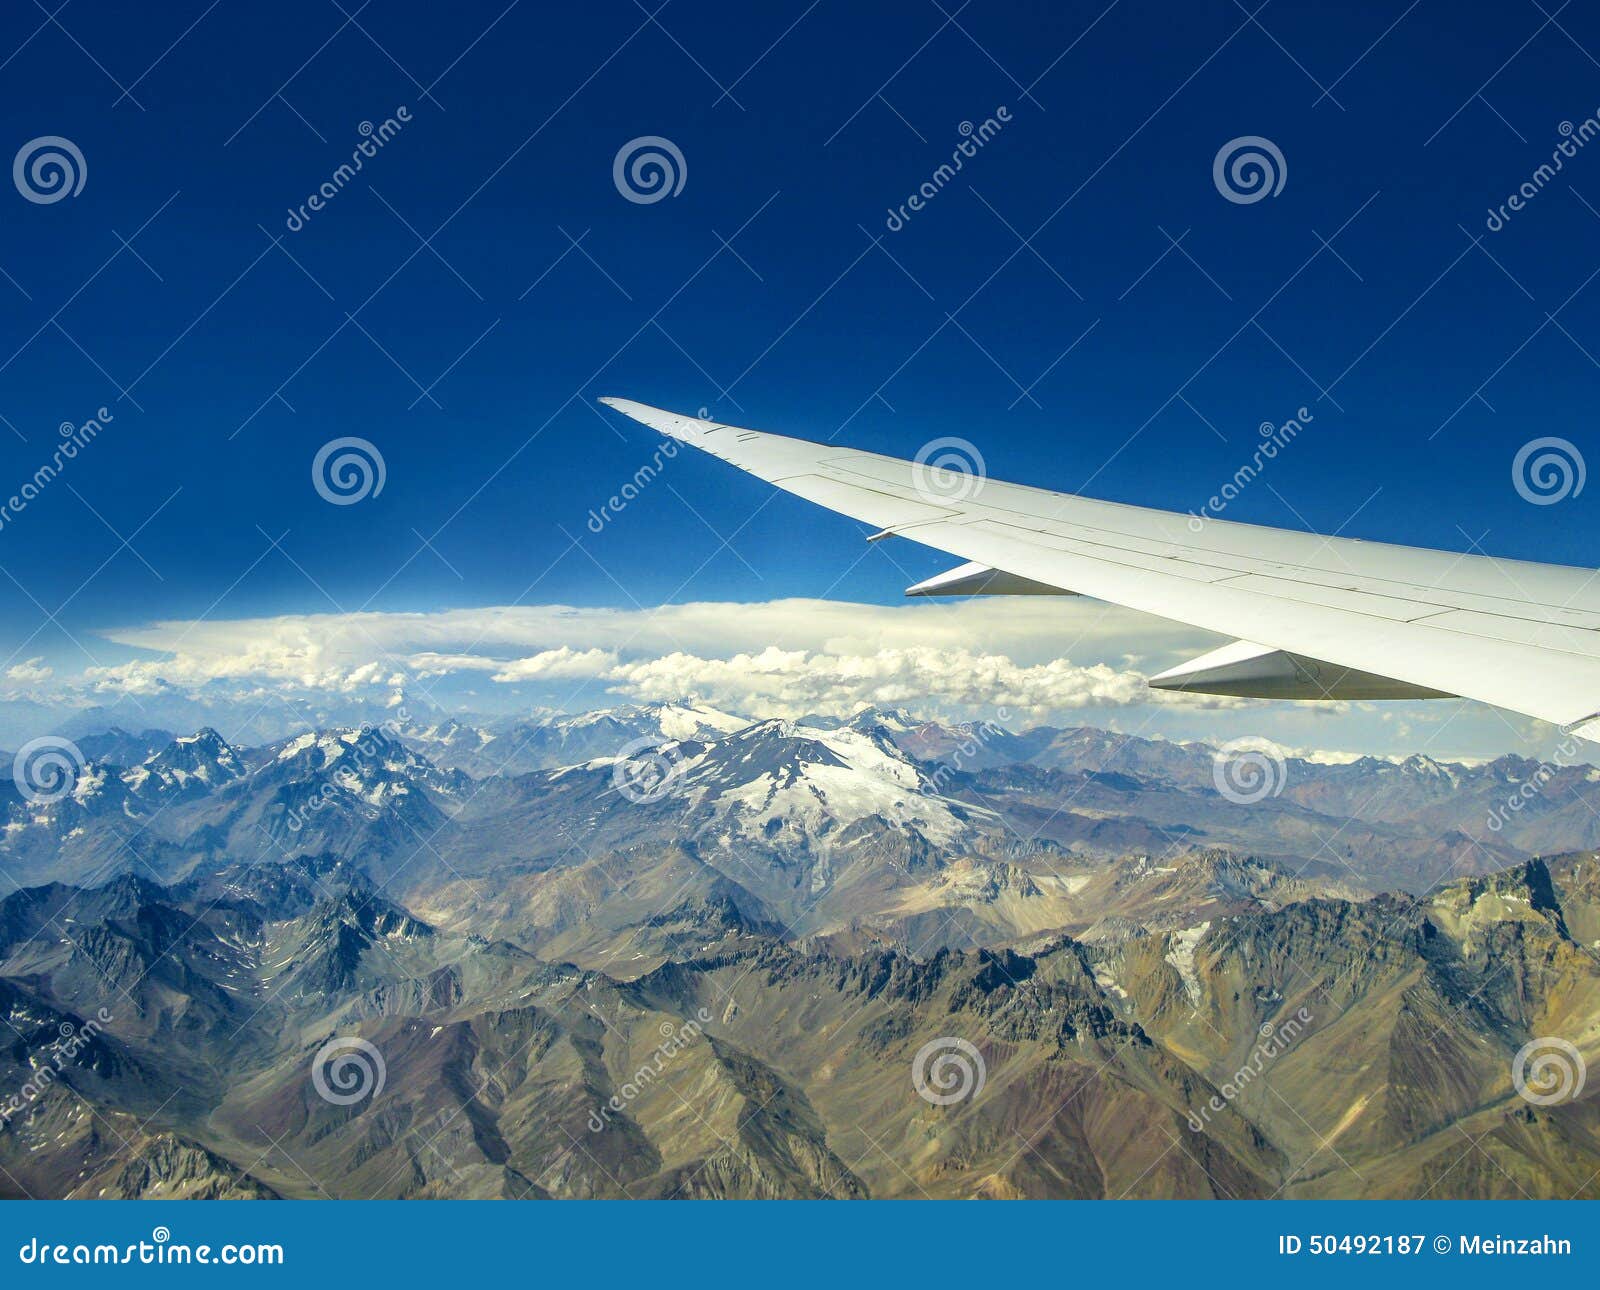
563, 664
430, 664
1031, 654
1030, 629
31, 672
794, 682
1054, 660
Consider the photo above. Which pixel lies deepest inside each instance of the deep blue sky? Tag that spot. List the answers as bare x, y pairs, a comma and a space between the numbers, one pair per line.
836, 113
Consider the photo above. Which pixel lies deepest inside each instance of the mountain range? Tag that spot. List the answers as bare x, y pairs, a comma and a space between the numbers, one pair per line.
669, 951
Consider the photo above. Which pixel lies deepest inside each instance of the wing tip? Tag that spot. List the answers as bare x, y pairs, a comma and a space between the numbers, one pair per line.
675, 425
643, 413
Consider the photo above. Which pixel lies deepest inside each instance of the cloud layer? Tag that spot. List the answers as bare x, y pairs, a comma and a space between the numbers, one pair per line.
784, 657
1045, 660
795, 682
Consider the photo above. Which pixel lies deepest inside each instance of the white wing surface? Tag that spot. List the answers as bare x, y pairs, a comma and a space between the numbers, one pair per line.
1312, 617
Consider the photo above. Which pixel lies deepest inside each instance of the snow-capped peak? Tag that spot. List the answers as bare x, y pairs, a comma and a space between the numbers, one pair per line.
91, 783
685, 719
191, 766
776, 776
897, 720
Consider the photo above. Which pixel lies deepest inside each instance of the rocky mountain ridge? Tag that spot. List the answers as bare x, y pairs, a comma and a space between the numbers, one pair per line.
750, 1064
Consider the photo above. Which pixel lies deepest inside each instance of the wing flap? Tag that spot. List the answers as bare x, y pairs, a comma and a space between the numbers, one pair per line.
1247, 670
972, 579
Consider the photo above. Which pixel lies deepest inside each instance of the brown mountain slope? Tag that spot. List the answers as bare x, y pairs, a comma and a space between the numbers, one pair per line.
1209, 1034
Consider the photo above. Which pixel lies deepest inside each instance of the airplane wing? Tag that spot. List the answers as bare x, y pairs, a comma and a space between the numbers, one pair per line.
1311, 617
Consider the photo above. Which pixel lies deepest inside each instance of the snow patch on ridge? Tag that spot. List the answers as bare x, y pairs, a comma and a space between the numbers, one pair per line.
1181, 956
